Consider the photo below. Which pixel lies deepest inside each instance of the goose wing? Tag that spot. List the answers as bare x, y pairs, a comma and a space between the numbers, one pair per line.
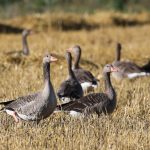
70, 88
91, 103
24, 105
84, 76
128, 67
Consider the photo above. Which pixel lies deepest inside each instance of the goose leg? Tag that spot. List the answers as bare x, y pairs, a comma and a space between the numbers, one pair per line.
14, 115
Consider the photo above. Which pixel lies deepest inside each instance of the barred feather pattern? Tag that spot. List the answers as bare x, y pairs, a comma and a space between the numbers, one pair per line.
84, 76
97, 102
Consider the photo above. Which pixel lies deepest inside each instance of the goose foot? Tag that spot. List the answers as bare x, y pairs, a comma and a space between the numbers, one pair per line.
14, 115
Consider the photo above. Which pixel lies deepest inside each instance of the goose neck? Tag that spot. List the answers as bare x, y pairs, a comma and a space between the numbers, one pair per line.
77, 60
25, 45
46, 72
71, 74
118, 53
108, 86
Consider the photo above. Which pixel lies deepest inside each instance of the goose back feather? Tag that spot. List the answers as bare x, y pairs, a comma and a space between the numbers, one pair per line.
70, 89
96, 102
127, 69
85, 77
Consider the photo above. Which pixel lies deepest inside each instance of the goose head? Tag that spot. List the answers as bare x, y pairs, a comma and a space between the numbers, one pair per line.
26, 32
110, 68
77, 52
68, 56
48, 58
75, 49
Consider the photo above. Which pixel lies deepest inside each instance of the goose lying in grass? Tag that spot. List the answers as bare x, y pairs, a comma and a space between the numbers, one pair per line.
127, 69
96, 102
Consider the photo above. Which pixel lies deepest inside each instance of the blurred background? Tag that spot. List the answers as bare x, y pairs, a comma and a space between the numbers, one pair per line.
97, 26
11, 8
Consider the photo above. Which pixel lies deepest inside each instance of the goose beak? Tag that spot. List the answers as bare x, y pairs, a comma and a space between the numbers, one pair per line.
114, 69
31, 32
69, 50
53, 59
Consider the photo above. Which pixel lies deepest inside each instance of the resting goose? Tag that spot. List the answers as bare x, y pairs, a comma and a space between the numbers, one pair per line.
36, 106
25, 49
96, 102
70, 89
85, 78
126, 69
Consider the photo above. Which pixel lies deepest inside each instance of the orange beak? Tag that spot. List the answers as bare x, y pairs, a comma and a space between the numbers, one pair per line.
69, 50
53, 59
114, 69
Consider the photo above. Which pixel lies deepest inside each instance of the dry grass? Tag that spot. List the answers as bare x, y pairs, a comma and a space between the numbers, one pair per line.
127, 128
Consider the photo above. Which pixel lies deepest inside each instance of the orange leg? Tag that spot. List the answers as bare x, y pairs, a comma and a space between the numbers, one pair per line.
15, 117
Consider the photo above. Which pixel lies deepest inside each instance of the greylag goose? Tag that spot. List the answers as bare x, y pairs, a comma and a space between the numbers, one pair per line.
36, 106
25, 49
95, 102
70, 89
126, 69
85, 78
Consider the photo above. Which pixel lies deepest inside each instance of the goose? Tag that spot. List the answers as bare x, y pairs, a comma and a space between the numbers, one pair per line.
25, 49
95, 102
37, 106
127, 69
85, 77
70, 89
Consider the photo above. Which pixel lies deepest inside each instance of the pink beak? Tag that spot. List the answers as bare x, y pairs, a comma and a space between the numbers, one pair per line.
114, 69
53, 59
69, 50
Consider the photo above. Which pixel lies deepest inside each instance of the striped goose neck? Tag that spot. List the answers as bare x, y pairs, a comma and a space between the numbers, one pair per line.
77, 59
108, 86
25, 45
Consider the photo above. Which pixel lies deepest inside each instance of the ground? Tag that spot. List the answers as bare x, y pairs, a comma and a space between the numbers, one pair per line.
127, 128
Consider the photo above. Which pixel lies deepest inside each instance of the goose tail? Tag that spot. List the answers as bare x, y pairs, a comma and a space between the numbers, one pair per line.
6, 103
146, 67
64, 107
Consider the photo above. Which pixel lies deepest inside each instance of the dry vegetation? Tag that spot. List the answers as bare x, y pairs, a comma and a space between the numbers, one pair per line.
127, 128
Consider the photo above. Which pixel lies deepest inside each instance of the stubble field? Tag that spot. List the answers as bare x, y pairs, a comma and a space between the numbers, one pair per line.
127, 128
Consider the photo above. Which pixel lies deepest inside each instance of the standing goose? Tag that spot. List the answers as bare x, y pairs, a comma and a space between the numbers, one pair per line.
25, 48
85, 78
96, 102
126, 69
36, 106
70, 89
